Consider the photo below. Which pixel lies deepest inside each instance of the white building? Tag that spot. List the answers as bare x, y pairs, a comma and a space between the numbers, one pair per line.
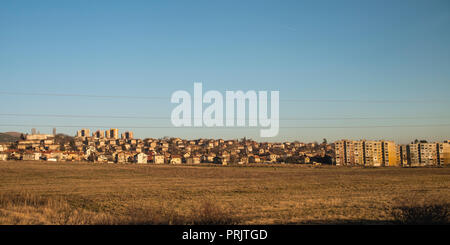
3, 157
140, 158
158, 159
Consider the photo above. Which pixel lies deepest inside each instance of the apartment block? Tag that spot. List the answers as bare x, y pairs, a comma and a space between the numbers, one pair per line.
366, 153
373, 153
99, 134
359, 152
344, 151
444, 153
428, 153
127, 135
83, 133
402, 155
390, 154
114, 133
339, 151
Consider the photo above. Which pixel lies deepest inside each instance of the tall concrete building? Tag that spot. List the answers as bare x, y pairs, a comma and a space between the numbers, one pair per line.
403, 155
413, 153
341, 151
387, 153
114, 133
422, 154
390, 154
444, 153
83, 133
366, 153
359, 152
99, 134
127, 135
428, 154
373, 153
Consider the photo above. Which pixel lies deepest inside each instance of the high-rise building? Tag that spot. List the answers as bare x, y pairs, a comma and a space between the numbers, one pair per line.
403, 155
413, 153
373, 153
127, 135
33, 131
99, 134
428, 153
54, 131
359, 152
444, 153
339, 150
368, 153
390, 154
114, 133
83, 133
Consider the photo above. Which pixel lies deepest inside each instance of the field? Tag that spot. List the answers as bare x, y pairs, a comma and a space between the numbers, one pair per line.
86, 193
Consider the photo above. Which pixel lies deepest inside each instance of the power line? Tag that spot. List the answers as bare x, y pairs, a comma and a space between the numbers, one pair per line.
162, 117
387, 101
85, 95
172, 127
367, 101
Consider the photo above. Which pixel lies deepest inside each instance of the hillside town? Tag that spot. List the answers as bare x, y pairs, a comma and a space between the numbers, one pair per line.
105, 146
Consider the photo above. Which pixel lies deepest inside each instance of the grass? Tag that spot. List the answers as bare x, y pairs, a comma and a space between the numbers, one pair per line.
420, 211
86, 193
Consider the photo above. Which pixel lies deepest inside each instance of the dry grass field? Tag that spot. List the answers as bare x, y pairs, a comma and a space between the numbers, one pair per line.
85, 193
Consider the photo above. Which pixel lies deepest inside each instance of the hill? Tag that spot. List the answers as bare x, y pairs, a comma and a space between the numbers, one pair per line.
7, 137
63, 138
14, 134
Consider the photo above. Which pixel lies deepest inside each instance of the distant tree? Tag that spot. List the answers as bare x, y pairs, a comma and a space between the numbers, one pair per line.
416, 141
423, 141
325, 141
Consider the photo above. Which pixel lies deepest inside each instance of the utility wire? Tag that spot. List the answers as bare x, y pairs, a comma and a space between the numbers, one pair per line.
162, 117
387, 101
173, 127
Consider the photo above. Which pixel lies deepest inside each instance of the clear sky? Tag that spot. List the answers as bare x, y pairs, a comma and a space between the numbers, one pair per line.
351, 65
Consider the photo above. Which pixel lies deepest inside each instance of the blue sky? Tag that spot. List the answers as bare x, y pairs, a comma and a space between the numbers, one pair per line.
362, 51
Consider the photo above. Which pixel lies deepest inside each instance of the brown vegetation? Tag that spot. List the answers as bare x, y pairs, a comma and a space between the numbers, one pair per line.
82, 193
421, 210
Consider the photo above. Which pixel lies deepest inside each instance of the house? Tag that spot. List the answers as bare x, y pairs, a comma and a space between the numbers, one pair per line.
306, 160
102, 158
3, 156
210, 157
31, 156
175, 159
220, 160
254, 159
120, 157
273, 157
158, 159
140, 158
74, 156
193, 160
243, 160
3, 147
